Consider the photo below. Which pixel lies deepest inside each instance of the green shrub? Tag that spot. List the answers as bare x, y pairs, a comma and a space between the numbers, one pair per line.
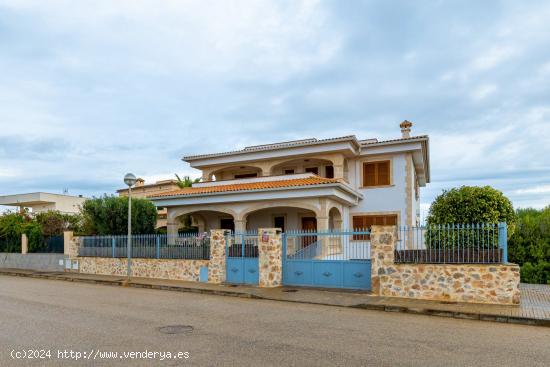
11, 228
109, 215
54, 223
469, 207
529, 246
35, 237
472, 204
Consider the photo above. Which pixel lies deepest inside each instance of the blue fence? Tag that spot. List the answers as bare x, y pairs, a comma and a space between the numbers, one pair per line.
48, 244
453, 244
182, 246
242, 244
327, 245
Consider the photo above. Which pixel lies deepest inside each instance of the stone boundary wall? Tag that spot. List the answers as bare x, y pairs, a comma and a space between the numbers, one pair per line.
492, 283
188, 270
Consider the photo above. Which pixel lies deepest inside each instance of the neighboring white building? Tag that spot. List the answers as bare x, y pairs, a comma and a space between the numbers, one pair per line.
43, 201
306, 184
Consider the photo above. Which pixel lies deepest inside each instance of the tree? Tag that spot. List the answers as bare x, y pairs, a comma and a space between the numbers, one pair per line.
186, 182
11, 227
54, 223
472, 204
108, 215
529, 246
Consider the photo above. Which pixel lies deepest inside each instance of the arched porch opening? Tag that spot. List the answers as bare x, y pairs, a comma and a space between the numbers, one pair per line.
320, 167
288, 218
199, 219
235, 172
335, 221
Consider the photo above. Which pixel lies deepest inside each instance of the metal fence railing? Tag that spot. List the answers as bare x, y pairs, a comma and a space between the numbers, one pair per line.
48, 245
484, 243
154, 246
327, 245
243, 244
10, 244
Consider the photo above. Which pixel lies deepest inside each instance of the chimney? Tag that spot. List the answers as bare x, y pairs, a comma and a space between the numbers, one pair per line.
139, 182
405, 129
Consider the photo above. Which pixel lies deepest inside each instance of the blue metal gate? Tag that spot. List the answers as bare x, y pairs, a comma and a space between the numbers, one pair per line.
327, 259
242, 258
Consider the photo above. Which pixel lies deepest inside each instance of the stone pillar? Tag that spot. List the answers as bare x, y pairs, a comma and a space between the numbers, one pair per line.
216, 266
382, 242
24, 244
67, 239
270, 257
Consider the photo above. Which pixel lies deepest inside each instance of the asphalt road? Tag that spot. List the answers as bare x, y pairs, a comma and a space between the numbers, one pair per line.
38, 314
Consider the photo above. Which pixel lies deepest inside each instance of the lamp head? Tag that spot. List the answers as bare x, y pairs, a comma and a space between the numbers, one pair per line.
130, 179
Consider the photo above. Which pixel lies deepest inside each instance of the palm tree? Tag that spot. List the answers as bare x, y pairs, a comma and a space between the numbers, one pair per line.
183, 183
186, 182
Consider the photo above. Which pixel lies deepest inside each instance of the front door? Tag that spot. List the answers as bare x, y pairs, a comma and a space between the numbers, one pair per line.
309, 224
227, 223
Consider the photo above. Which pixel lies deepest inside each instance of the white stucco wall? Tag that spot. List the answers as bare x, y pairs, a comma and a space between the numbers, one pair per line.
381, 199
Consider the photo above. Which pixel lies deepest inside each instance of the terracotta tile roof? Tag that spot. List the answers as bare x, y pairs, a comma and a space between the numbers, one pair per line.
307, 181
274, 146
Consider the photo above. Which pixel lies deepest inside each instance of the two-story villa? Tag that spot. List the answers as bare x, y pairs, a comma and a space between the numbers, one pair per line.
309, 184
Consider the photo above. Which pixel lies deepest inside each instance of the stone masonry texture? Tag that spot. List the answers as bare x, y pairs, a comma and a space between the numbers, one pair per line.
491, 283
216, 269
270, 257
188, 270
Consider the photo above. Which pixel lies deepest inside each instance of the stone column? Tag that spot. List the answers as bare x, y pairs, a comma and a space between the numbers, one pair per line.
322, 226
240, 225
172, 231
382, 242
24, 244
67, 239
216, 266
270, 257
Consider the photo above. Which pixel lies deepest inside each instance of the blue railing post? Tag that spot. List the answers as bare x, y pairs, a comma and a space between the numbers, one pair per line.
113, 245
158, 246
503, 240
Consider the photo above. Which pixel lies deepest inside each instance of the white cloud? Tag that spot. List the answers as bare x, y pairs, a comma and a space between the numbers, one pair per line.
493, 57
534, 190
483, 91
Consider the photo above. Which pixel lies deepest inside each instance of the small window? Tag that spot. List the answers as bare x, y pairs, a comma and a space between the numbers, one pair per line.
227, 223
365, 222
279, 222
329, 172
289, 171
313, 170
376, 173
246, 175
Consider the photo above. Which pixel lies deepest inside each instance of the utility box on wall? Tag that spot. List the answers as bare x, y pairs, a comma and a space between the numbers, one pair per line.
203, 274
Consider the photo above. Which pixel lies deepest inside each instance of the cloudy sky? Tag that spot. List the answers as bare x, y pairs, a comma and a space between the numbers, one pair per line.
90, 90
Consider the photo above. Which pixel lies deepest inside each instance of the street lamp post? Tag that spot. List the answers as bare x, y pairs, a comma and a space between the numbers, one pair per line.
129, 180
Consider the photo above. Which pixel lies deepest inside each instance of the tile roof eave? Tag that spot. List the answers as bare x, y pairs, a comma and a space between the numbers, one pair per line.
283, 188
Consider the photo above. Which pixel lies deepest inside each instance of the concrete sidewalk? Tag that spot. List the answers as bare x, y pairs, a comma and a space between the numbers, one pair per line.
534, 308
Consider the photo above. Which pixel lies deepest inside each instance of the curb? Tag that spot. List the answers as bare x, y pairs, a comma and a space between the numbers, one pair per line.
364, 306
